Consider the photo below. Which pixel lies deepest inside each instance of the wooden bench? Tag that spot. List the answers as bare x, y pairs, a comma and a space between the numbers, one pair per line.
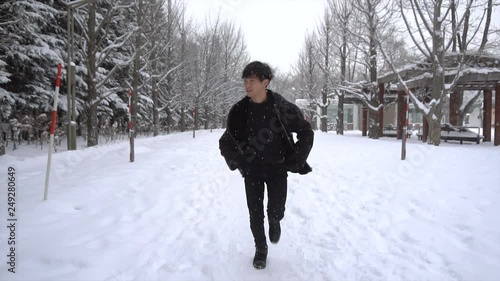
390, 131
458, 133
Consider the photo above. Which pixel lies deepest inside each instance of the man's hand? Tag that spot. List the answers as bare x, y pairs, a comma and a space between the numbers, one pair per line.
242, 160
292, 163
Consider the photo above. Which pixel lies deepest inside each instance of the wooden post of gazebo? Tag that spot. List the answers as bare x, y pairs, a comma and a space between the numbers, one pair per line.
401, 113
454, 108
497, 115
381, 90
487, 108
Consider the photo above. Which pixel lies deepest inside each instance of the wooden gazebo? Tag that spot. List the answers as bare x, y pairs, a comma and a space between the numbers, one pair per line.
479, 72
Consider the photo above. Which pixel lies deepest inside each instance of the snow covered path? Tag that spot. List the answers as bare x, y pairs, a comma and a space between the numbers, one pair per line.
178, 213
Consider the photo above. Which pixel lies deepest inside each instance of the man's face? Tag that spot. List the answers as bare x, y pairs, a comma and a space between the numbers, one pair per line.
253, 86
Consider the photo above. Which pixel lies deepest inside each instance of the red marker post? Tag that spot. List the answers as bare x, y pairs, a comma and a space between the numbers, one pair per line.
52, 129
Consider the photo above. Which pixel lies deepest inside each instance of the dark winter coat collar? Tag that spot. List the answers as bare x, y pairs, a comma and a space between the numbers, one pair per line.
238, 115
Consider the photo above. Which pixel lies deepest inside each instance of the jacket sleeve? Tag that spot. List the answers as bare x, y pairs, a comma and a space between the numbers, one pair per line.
305, 135
229, 150
227, 144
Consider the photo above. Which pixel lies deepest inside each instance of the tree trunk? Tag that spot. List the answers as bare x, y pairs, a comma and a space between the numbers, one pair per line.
340, 116
468, 108
435, 131
136, 74
326, 77
374, 118
453, 9
224, 120
438, 77
155, 108
364, 121
154, 90
487, 25
169, 60
170, 119
343, 73
207, 117
324, 110
195, 118
465, 32
2, 142
453, 112
460, 93
183, 120
92, 130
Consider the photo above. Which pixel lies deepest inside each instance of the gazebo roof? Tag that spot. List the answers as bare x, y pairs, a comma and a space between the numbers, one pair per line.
480, 71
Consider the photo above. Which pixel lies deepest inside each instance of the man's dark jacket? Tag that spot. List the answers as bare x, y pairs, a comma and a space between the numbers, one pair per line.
234, 145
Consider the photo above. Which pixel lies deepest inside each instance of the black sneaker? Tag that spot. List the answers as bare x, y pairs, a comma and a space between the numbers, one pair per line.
274, 231
259, 261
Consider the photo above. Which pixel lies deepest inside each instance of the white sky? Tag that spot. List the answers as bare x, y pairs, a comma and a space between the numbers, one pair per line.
274, 29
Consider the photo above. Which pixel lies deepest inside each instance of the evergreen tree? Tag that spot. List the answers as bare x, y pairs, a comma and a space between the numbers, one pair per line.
33, 44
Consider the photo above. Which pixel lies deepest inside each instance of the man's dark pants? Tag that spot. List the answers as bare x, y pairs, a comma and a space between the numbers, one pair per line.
276, 193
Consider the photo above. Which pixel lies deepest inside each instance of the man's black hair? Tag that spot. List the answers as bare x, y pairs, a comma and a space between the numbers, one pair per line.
258, 69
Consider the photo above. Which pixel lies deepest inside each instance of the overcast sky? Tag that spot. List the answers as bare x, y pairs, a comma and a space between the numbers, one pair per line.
274, 29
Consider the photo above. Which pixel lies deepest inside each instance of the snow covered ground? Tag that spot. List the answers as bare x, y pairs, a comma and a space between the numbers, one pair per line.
178, 213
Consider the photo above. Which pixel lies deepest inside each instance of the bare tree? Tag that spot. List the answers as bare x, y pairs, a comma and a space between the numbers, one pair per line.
206, 79
98, 50
465, 107
342, 18
234, 56
140, 13
307, 74
7, 100
184, 83
430, 22
282, 83
376, 21
488, 11
156, 21
326, 64
162, 60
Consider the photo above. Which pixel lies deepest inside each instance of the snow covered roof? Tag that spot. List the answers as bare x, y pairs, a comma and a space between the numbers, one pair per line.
479, 71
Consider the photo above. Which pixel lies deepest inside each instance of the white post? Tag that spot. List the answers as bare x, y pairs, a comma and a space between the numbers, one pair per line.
52, 129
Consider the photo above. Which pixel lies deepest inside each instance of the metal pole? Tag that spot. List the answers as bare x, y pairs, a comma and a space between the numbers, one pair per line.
72, 124
52, 130
70, 81
130, 126
68, 74
71, 73
73, 107
405, 127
